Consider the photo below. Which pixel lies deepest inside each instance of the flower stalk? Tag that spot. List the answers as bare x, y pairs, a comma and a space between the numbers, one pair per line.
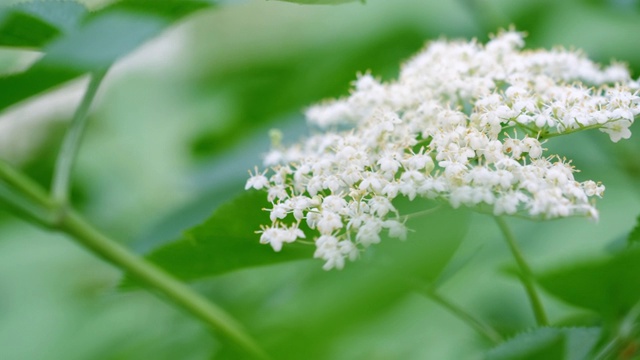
526, 275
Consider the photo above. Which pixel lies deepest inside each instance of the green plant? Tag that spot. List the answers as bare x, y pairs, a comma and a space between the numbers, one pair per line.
405, 181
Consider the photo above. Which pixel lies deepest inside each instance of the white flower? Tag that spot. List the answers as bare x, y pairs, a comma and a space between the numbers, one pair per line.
279, 211
334, 203
277, 192
389, 165
381, 206
465, 123
257, 181
327, 249
369, 232
396, 229
276, 236
300, 204
328, 222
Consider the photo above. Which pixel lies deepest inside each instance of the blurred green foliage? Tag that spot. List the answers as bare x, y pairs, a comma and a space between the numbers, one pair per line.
185, 116
634, 236
613, 284
548, 343
72, 47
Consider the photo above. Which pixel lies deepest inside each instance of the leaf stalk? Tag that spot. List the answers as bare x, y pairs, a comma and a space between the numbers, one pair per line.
60, 187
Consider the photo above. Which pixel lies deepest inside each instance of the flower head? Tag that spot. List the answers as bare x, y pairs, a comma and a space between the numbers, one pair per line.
465, 123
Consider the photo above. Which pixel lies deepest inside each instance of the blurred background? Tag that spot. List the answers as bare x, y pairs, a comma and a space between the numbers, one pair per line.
179, 122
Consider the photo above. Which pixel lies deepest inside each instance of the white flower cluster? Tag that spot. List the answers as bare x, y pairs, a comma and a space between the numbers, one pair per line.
464, 123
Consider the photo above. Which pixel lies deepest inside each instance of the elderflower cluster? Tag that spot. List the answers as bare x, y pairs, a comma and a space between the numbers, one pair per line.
464, 123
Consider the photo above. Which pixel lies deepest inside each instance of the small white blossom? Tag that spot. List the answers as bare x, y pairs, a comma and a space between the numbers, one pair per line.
276, 236
381, 206
396, 229
328, 222
257, 181
279, 211
369, 231
389, 165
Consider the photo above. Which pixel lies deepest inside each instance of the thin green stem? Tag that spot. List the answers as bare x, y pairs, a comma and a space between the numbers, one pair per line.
526, 275
480, 327
529, 130
57, 216
74, 225
581, 128
71, 143
422, 212
24, 185
22, 207
549, 135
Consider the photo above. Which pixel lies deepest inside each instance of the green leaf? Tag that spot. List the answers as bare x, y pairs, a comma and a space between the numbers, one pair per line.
102, 38
225, 242
607, 285
228, 241
454, 266
324, 306
548, 344
34, 24
321, 304
634, 236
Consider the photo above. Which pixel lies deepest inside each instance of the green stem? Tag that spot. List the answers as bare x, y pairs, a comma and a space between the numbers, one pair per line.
21, 207
570, 131
71, 223
480, 327
422, 212
531, 131
71, 142
25, 186
74, 225
582, 128
526, 275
